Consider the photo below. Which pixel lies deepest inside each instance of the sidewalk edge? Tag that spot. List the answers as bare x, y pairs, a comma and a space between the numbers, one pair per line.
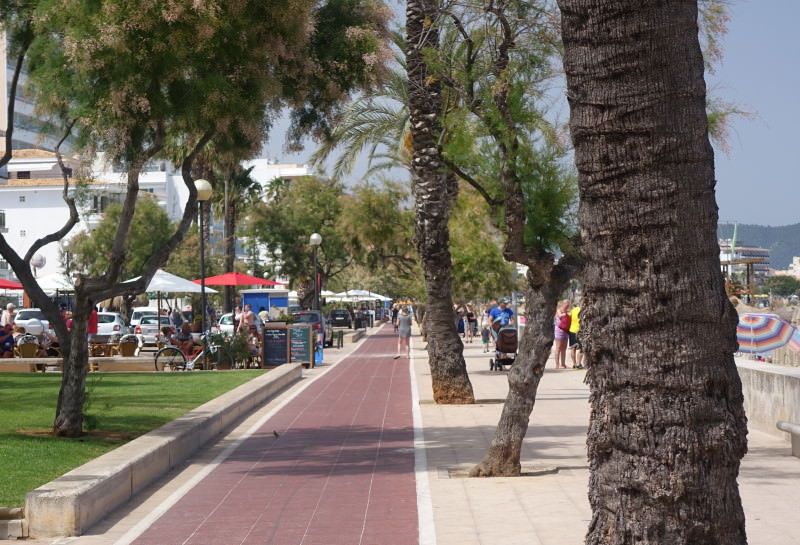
427, 528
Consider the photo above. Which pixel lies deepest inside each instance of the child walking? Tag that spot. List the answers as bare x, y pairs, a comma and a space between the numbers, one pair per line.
485, 335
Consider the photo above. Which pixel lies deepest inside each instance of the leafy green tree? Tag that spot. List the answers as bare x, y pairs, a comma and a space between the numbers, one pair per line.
479, 270
127, 78
239, 192
376, 123
292, 211
150, 228
378, 228
782, 285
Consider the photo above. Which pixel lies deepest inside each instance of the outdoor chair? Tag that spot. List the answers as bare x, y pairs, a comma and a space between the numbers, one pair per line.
127, 347
28, 347
27, 350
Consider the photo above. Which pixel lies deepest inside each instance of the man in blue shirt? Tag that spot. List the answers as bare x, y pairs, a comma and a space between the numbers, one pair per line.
502, 313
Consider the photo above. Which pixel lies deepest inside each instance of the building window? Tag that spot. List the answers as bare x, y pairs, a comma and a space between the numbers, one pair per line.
22, 198
3, 265
2, 219
23, 233
24, 175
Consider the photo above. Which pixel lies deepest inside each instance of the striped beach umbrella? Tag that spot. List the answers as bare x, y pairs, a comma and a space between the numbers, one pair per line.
759, 332
794, 342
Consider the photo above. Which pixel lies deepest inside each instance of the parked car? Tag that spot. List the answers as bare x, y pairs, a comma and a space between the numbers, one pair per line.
226, 324
138, 312
111, 324
321, 325
148, 331
33, 320
340, 317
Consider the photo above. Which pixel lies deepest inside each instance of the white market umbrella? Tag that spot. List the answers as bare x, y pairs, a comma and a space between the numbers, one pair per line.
361, 295
164, 282
170, 283
54, 282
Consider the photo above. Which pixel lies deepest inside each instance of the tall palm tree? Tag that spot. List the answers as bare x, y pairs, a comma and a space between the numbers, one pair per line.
435, 188
377, 123
667, 429
239, 191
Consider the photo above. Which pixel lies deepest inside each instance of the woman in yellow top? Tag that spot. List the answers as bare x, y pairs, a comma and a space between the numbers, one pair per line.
575, 352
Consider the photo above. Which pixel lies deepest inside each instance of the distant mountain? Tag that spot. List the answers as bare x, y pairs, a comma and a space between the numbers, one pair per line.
783, 242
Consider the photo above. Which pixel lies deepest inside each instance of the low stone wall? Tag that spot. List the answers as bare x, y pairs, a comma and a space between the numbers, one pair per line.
69, 505
105, 364
771, 393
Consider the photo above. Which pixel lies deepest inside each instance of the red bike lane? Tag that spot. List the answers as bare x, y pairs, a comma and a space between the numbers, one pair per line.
339, 472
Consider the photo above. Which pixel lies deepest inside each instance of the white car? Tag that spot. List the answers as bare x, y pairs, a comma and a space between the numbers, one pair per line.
138, 312
33, 320
148, 331
111, 324
226, 324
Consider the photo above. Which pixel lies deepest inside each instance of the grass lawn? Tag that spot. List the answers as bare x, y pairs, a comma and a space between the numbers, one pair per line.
121, 407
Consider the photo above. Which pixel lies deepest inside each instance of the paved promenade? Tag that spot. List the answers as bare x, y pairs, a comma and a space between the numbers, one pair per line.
342, 469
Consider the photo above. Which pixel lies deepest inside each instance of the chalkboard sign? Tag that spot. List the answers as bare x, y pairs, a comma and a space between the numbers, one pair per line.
276, 349
301, 345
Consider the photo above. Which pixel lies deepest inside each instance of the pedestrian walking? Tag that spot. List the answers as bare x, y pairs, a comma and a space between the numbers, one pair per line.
561, 333
472, 323
575, 352
403, 333
485, 335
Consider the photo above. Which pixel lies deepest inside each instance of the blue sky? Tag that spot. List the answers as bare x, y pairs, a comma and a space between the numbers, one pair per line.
757, 178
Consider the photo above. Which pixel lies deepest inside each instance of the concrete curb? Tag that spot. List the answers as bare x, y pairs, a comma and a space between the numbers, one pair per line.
69, 505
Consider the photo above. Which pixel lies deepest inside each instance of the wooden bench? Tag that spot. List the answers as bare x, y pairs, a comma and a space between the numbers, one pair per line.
794, 432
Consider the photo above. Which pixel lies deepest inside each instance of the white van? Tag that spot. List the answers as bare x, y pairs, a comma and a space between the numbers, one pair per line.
138, 312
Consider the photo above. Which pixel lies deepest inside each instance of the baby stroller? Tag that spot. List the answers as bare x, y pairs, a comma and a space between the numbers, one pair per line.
505, 346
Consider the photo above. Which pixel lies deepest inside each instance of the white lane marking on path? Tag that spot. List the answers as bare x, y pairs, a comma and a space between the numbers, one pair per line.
148, 520
427, 528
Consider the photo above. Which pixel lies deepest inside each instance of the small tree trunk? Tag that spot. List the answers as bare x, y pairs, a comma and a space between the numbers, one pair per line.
541, 298
72, 395
434, 190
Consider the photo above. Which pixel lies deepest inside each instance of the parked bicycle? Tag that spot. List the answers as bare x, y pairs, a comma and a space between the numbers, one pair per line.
172, 358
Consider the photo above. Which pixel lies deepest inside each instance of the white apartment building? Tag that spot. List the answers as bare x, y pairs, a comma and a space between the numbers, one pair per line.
31, 204
27, 126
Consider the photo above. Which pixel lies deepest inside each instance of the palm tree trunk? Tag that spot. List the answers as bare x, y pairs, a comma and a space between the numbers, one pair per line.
667, 429
230, 250
435, 189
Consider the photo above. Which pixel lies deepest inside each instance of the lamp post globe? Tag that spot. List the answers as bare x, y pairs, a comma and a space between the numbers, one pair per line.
37, 262
315, 240
204, 191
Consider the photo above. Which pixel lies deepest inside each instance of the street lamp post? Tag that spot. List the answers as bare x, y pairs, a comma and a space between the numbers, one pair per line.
315, 240
204, 191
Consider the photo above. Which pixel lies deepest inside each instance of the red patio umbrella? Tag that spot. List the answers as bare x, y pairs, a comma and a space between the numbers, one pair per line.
9, 285
237, 279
